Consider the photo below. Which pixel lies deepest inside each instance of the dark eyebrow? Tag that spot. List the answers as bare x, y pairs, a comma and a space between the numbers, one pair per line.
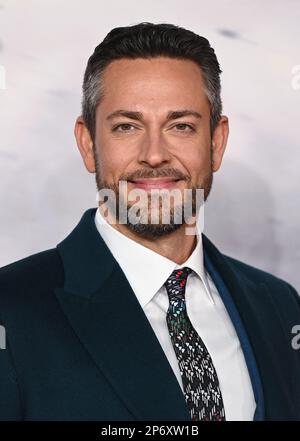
172, 114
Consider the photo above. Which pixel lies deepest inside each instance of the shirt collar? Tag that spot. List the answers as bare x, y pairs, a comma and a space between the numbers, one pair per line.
145, 269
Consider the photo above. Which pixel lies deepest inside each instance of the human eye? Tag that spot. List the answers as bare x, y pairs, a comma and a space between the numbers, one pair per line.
184, 127
125, 127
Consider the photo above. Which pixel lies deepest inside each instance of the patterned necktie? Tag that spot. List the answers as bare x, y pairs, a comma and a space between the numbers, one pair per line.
199, 377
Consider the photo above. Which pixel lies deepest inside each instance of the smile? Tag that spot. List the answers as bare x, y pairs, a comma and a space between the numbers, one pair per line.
156, 183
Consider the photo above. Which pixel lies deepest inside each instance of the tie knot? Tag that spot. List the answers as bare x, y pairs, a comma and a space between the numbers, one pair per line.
175, 284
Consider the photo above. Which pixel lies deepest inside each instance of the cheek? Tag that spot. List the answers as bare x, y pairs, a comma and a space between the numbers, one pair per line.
197, 164
197, 156
115, 155
195, 151
111, 166
111, 162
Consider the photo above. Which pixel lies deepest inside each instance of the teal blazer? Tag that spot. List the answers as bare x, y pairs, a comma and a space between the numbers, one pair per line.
79, 346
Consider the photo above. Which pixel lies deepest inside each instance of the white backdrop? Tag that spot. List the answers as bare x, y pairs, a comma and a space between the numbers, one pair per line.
253, 211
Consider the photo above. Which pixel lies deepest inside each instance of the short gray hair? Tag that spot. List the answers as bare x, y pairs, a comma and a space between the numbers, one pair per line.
149, 40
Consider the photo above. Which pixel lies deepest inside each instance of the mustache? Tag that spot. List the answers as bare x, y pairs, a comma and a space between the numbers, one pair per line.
155, 173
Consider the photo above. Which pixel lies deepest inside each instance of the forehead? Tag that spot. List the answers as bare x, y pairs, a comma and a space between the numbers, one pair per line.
154, 81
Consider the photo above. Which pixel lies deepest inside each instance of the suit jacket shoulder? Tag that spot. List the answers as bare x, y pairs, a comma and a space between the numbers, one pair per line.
33, 275
281, 290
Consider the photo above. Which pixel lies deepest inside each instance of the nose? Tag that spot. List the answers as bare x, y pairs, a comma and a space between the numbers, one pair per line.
153, 150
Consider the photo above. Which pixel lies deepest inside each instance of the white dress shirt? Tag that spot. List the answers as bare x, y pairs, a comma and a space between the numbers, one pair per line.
147, 271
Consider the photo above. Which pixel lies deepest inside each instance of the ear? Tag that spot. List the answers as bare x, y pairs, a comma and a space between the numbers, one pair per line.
85, 144
219, 142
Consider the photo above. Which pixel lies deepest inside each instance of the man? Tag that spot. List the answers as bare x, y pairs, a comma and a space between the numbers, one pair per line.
144, 320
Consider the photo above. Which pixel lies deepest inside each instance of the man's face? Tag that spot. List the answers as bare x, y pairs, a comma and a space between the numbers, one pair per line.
148, 141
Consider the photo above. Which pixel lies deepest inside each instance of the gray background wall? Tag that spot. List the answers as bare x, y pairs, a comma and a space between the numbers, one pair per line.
253, 211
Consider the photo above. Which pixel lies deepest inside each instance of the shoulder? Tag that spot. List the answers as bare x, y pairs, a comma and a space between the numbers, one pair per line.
248, 274
277, 287
26, 277
252, 272
45, 263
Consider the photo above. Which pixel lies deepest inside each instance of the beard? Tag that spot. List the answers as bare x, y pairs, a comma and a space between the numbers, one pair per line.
162, 209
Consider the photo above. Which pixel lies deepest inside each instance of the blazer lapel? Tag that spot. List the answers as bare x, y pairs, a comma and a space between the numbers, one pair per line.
108, 319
